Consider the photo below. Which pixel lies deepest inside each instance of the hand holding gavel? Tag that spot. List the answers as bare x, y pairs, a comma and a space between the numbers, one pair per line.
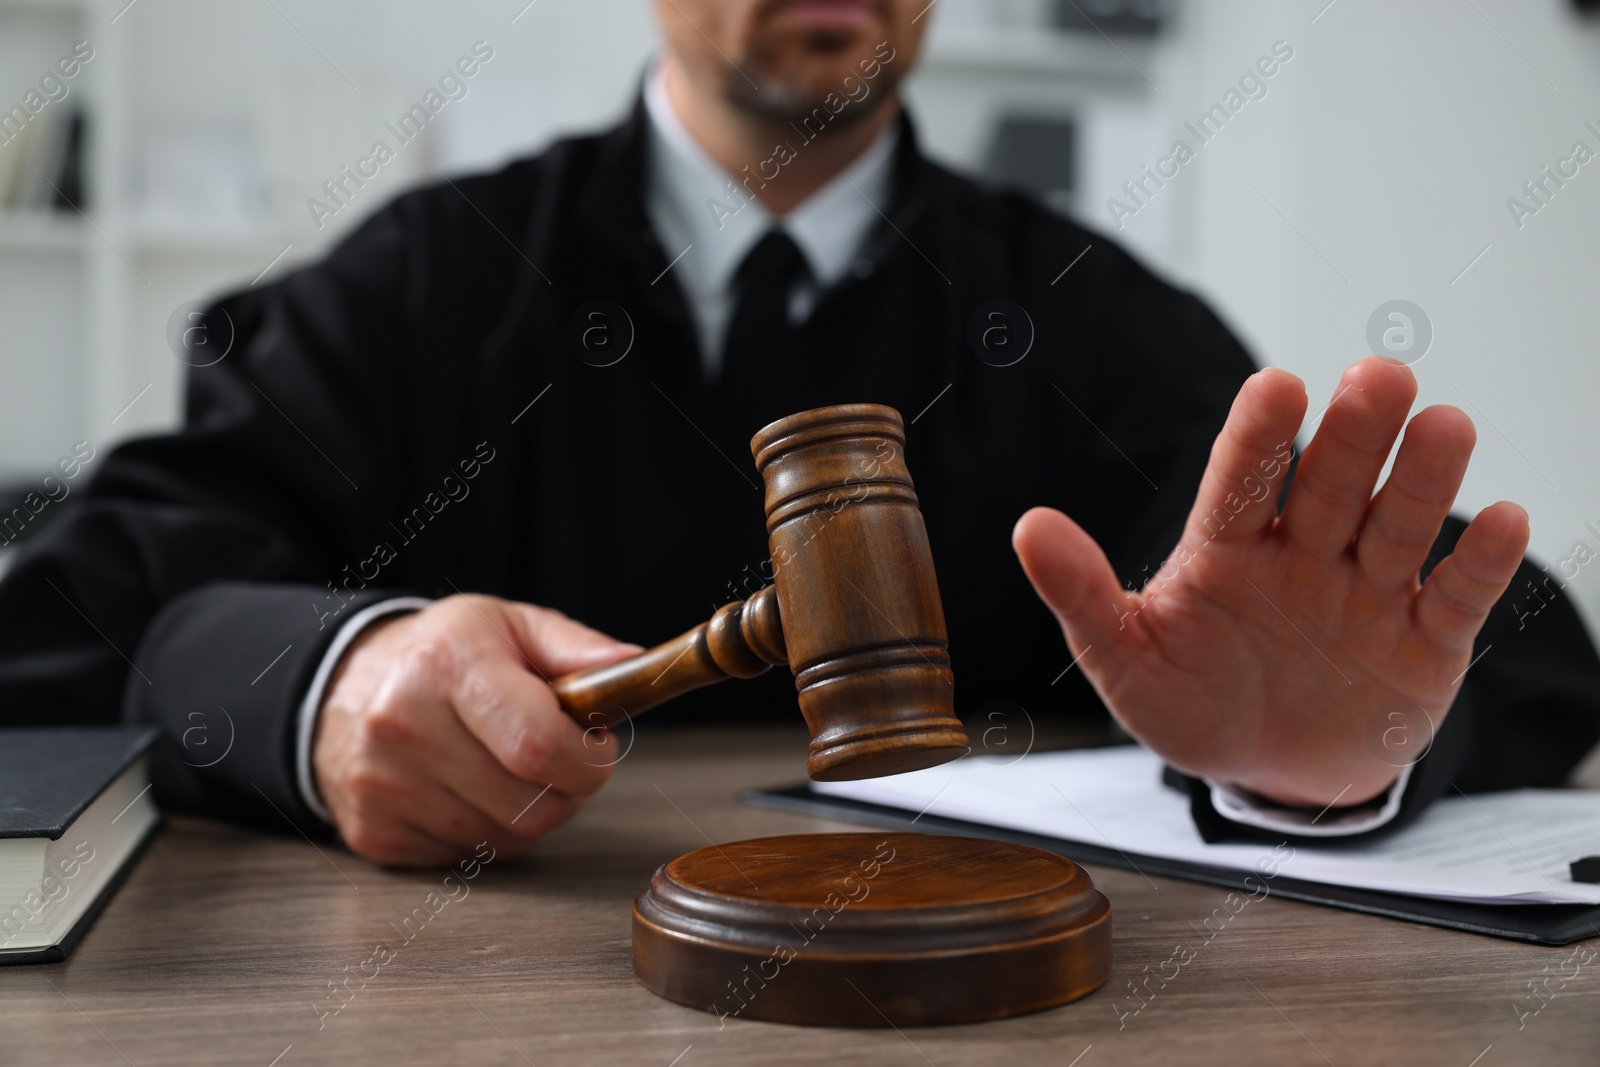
438, 730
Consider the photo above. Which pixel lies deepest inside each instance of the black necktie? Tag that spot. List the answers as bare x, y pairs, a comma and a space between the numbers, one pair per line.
760, 360
761, 346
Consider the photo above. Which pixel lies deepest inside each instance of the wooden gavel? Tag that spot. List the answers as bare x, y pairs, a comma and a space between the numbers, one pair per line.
854, 611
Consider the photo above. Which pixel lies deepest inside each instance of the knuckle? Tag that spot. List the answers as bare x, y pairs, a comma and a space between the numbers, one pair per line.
368, 784
390, 722
1458, 604
527, 744
528, 756
479, 689
1334, 491
430, 657
1399, 532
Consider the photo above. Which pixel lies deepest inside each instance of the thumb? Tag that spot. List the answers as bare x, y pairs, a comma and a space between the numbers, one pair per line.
556, 645
1073, 577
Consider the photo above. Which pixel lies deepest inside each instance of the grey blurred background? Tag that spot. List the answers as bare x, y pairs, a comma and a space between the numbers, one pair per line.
1377, 163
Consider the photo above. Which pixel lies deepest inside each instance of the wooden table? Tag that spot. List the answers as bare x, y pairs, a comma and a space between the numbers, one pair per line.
221, 947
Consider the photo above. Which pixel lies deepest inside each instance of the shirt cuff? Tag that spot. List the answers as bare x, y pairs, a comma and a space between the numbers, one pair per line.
1238, 805
319, 682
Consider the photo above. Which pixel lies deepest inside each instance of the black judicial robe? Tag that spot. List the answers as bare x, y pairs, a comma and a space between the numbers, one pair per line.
369, 433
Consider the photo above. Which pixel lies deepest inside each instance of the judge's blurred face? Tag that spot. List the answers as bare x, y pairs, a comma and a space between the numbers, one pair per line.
779, 59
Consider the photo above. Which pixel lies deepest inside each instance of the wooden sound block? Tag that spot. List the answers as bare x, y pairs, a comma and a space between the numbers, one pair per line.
871, 930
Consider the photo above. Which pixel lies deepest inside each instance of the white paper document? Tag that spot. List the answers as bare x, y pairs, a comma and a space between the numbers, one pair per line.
1496, 848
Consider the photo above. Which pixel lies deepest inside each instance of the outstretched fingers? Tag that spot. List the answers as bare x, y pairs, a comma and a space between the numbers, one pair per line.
1340, 467
1073, 577
1249, 460
1406, 515
1457, 596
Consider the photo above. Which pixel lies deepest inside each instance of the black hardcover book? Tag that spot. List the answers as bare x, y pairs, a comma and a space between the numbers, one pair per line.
75, 809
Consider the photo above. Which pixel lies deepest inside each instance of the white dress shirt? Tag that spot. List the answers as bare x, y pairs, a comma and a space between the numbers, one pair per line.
711, 226
1241, 807
307, 719
707, 224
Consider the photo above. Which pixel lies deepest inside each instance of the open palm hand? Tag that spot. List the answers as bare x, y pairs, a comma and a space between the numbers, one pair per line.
1271, 650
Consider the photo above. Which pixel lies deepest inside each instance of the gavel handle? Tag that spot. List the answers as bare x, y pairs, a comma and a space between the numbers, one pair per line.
741, 640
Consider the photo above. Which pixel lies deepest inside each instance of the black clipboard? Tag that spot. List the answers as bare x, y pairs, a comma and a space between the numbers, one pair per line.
1541, 924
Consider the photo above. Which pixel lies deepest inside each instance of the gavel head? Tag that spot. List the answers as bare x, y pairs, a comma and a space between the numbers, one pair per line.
863, 626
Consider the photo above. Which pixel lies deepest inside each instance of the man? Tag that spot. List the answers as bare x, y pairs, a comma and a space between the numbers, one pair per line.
537, 388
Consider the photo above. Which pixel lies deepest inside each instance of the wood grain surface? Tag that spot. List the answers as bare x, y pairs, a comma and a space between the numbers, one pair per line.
221, 946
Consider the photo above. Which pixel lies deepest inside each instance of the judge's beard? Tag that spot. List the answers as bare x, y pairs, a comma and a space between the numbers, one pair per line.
781, 101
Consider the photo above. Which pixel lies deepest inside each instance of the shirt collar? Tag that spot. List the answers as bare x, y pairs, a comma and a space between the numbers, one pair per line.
693, 203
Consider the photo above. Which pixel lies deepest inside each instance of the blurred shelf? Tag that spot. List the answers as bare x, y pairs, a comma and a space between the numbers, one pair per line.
1036, 51
166, 239
70, 7
39, 231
